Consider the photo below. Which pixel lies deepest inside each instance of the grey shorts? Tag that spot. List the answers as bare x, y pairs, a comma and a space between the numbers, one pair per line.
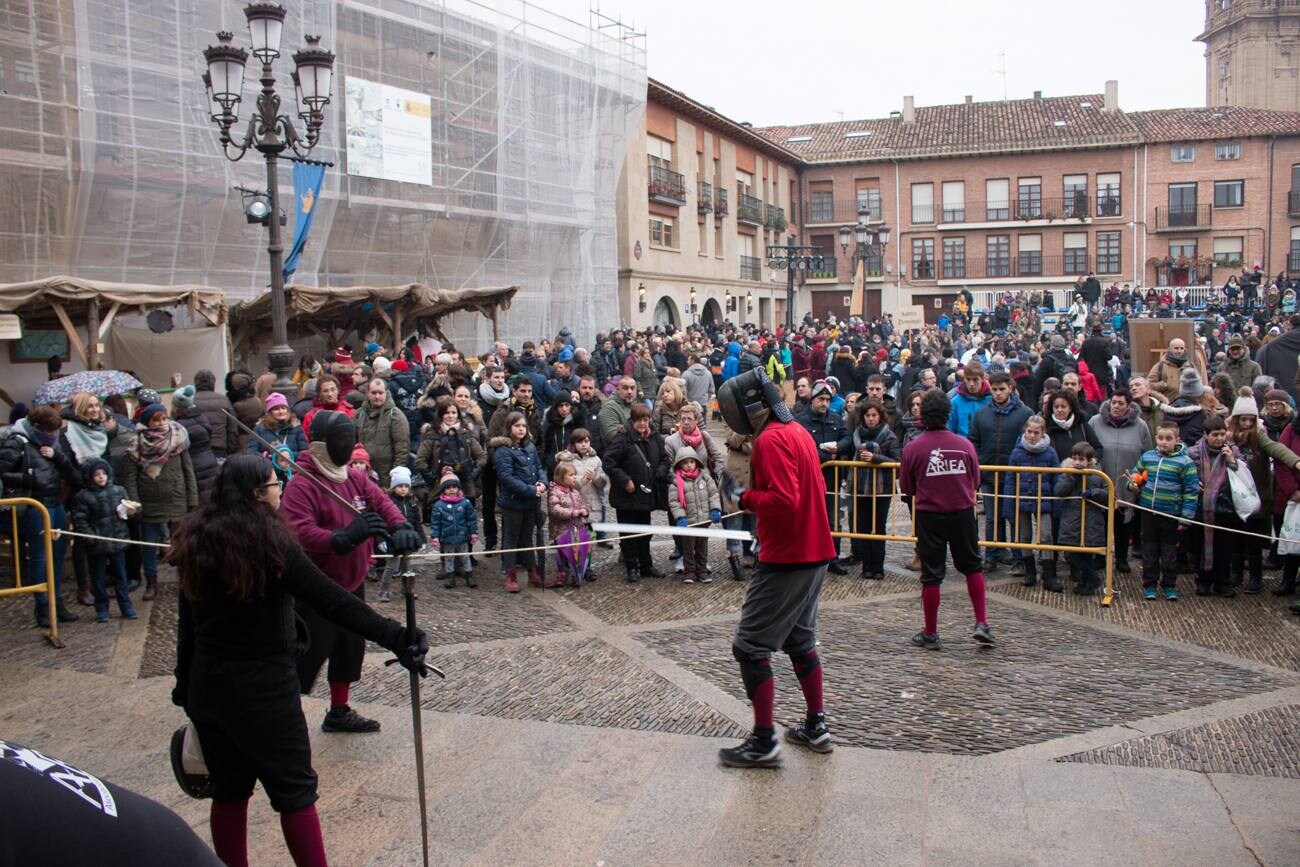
780, 610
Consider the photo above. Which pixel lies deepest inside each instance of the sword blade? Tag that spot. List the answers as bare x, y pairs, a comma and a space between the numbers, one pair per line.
417, 724
270, 448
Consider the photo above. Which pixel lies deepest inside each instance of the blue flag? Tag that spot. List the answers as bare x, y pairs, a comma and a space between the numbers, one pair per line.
307, 178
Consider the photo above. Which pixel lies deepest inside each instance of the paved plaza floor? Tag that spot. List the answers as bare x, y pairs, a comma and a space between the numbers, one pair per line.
581, 727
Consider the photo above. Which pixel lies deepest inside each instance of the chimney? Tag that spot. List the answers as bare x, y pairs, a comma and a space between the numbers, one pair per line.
968, 99
1112, 96
1038, 94
909, 109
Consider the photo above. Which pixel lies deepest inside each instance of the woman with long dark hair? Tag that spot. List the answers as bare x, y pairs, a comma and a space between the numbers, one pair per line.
237, 640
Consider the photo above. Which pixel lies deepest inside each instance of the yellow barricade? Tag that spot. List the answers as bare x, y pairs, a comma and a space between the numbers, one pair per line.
873, 487
46, 586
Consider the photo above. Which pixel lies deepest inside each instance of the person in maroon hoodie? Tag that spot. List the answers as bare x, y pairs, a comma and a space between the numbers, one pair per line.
787, 495
942, 473
340, 542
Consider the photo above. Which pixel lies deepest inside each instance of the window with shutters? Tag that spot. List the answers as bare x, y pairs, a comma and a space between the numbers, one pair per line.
998, 250
1029, 259
923, 258
997, 199
1075, 191
1029, 203
1108, 256
1108, 201
923, 203
954, 258
1227, 251
1075, 259
954, 201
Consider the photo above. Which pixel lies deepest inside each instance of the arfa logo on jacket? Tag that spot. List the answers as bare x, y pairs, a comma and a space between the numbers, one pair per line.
946, 463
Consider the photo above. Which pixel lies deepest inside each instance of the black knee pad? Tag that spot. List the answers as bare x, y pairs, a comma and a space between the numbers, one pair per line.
754, 671
805, 662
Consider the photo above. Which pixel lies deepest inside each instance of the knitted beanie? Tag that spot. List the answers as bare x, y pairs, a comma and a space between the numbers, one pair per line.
1189, 383
449, 480
399, 476
360, 456
273, 400
183, 398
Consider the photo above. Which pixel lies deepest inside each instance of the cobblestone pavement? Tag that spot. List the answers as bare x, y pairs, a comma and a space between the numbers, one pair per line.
582, 681
1255, 627
1046, 678
1265, 743
89, 644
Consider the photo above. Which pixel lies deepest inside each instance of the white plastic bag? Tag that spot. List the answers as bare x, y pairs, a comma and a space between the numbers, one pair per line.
1245, 499
1289, 541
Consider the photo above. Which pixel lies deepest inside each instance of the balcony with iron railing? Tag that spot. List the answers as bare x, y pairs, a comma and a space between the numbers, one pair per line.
1293, 203
720, 208
667, 186
704, 197
825, 272
826, 211
774, 219
1028, 208
1183, 217
1021, 265
751, 268
749, 210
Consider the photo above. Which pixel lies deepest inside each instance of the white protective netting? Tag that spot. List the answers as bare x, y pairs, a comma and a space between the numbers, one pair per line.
112, 170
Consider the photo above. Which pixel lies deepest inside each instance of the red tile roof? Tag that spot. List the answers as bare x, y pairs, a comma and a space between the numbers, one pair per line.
1051, 123
1191, 124
965, 128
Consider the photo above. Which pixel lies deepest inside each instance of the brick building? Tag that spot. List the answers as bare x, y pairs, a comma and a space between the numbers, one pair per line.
1035, 193
700, 199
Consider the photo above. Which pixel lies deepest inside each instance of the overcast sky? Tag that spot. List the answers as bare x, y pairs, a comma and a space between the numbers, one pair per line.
823, 60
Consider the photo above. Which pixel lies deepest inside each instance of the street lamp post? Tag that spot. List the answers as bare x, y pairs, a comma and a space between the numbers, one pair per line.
793, 258
270, 133
869, 243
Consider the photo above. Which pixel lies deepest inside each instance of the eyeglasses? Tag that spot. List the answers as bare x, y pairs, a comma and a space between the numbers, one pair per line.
276, 484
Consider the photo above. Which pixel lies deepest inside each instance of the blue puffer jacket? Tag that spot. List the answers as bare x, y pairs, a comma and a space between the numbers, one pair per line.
731, 366
290, 434
452, 523
519, 469
1032, 485
964, 407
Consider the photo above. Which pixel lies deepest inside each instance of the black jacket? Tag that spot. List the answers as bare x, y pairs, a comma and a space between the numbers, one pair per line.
94, 510
201, 456
632, 456
587, 416
25, 473
826, 428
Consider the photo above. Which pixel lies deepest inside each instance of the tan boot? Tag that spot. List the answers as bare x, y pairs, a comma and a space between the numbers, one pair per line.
914, 565
150, 588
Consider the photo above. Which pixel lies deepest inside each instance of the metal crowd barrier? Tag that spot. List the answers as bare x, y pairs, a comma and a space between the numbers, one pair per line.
46, 586
1005, 497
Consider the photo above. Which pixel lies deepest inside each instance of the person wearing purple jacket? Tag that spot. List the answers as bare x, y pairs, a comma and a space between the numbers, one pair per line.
941, 471
343, 554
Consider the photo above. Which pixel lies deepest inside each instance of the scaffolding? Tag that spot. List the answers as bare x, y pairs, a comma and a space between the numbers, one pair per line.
113, 171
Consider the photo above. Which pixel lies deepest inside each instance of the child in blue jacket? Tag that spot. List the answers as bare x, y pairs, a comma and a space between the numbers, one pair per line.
453, 530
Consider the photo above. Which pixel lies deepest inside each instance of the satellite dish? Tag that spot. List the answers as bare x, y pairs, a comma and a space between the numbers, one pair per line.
160, 321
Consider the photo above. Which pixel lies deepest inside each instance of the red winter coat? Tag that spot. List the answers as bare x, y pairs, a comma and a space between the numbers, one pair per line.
1286, 481
314, 515
342, 406
788, 496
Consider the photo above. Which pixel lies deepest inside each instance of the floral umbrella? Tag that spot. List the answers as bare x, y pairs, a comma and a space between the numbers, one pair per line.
101, 383
574, 553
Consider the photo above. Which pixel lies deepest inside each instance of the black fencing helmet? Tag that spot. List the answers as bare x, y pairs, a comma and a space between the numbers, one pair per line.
749, 400
338, 432
190, 769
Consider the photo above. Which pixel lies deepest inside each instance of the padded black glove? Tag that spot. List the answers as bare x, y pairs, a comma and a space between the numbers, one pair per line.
363, 526
404, 540
412, 649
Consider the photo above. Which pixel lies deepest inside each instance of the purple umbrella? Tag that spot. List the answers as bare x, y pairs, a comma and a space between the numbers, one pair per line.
101, 383
574, 552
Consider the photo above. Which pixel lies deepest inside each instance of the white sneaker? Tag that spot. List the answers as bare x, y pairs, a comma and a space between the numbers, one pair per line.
677, 565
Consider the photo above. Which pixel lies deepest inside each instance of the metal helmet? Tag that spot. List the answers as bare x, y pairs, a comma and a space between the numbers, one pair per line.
188, 764
337, 431
748, 401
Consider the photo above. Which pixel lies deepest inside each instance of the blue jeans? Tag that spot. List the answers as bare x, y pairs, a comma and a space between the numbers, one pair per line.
743, 521
152, 531
100, 565
997, 521
32, 529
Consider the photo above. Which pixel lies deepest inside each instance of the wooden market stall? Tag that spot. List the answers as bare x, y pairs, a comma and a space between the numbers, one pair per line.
331, 312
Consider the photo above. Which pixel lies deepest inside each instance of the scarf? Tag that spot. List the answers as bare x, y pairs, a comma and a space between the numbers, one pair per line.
87, 438
452, 498
152, 448
911, 422
1036, 448
525, 408
1176, 362
692, 440
321, 457
1213, 470
41, 438
490, 397
1006, 408
1064, 423
684, 476
1123, 421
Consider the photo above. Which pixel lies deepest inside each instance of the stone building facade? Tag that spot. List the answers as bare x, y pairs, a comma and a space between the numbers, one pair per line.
1252, 53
